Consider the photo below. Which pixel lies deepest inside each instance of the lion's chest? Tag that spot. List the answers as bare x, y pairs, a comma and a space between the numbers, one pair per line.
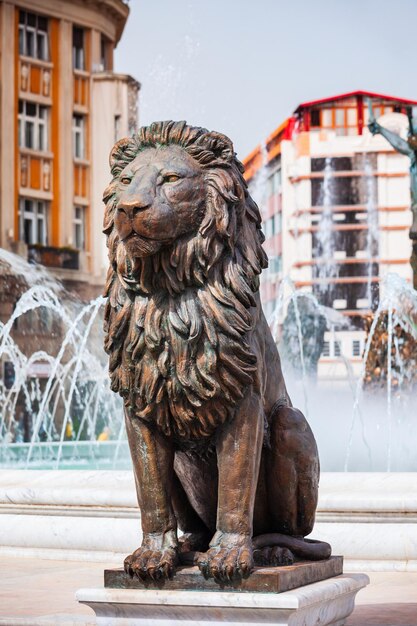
174, 389
187, 376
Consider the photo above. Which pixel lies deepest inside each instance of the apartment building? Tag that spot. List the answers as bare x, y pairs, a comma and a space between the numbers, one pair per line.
336, 212
62, 109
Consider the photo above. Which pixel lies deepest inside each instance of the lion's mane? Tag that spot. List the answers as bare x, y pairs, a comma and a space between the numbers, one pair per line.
177, 322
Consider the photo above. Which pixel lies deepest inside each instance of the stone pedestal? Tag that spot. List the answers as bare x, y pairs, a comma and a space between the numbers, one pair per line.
328, 602
261, 580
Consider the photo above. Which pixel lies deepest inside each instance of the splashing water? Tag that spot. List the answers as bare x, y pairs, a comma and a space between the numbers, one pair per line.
372, 239
287, 295
326, 267
399, 300
57, 402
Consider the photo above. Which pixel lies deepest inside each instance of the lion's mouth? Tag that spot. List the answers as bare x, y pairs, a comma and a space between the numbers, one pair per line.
141, 246
135, 235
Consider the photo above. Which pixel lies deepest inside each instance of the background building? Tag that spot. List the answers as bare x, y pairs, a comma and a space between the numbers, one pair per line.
336, 210
62, 109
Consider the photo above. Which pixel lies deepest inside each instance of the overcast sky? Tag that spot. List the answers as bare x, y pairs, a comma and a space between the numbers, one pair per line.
242, 66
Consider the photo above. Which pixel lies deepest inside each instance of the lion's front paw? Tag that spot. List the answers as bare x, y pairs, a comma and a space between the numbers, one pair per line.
229, 558
149, 564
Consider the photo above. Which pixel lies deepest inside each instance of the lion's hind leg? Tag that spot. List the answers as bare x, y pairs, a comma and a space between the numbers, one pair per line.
292, 473
291, 478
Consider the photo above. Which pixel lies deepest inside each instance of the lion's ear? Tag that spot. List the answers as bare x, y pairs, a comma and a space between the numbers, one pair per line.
121, 154
220, 145
118, 150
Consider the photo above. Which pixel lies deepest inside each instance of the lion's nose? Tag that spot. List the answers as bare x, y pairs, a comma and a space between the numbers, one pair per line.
130, 209
126, 211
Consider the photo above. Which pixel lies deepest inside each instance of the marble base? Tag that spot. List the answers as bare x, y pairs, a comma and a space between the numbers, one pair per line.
324, 603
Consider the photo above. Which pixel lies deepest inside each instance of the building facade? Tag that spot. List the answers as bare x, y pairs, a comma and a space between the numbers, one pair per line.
62, 109
336, 212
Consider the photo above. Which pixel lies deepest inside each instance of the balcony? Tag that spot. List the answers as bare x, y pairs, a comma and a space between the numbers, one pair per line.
65, 258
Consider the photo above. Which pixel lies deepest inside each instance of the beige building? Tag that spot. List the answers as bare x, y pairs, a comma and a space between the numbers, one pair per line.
336, 214
62, 109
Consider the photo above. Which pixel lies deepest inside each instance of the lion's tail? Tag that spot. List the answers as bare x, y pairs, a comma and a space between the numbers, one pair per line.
308, 549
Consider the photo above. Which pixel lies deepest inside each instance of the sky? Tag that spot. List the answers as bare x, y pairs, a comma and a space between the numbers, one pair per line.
242, 66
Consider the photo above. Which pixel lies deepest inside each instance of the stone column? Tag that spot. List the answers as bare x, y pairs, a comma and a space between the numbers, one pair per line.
95, 50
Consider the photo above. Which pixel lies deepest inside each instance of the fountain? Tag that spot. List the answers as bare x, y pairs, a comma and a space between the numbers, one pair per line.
56, 407
58, 410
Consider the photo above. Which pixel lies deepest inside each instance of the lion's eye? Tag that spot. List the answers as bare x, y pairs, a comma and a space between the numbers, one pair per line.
125, 180
171, 178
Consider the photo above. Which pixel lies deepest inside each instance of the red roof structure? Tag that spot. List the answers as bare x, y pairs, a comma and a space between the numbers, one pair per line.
302, 120
354, 94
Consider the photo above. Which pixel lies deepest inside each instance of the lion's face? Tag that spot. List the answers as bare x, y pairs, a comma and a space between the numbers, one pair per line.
161, 196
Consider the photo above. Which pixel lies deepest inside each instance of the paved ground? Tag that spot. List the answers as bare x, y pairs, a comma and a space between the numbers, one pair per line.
31, 588
389, 600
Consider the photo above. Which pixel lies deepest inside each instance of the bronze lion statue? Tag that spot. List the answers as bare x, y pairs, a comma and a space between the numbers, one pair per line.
218, 450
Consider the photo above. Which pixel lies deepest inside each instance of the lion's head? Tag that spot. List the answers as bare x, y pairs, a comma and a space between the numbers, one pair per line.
182, 231
177, 201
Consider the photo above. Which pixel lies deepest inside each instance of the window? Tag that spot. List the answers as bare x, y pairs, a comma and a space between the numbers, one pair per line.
356, 347
278, 223
33, 125
339, 117
268, 308
116, 128
362, 303
337, 348
352, 117
274, 183
343, 119
79, 227
333, 164
32, 221
33, 36
78, 136
327, 118
343, 190
270, 227
326, 348
315, 118
78, 61
105, 53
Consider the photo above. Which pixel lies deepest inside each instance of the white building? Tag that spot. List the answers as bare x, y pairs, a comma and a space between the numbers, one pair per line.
336, 212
